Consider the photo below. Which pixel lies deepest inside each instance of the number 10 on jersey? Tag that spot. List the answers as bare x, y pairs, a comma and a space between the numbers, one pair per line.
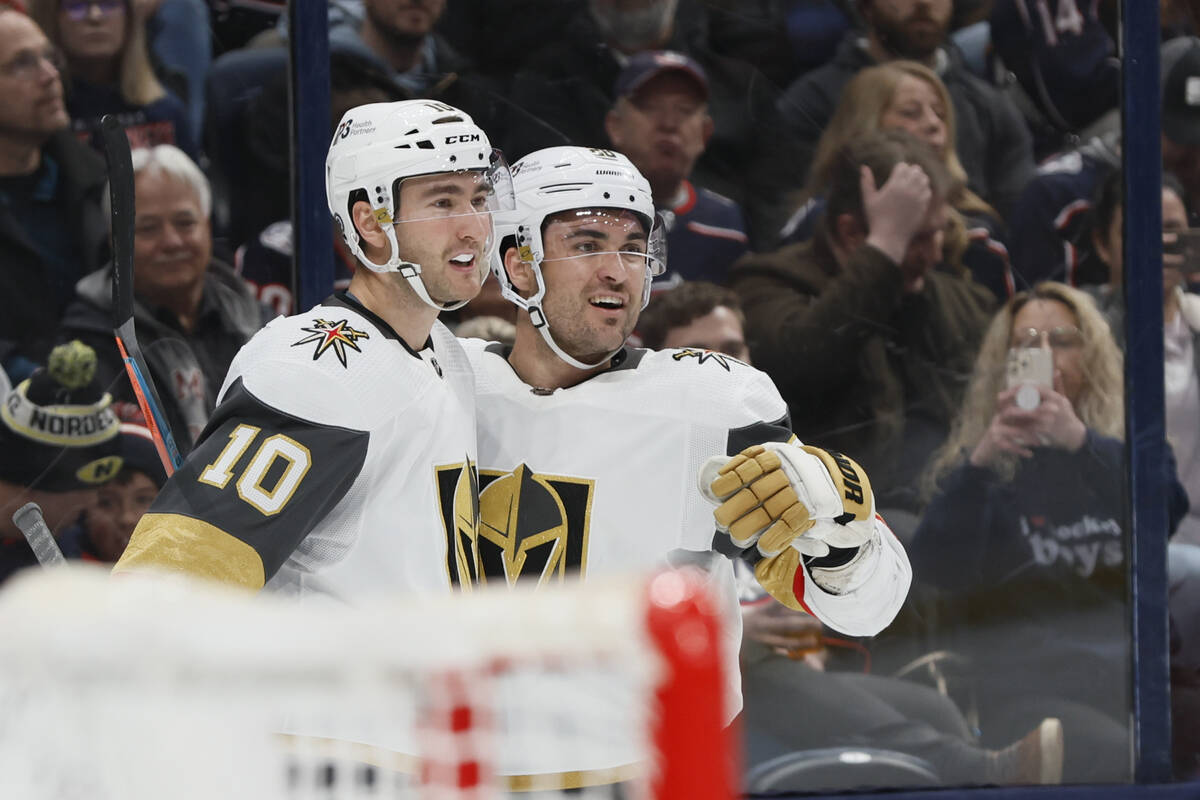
297, 459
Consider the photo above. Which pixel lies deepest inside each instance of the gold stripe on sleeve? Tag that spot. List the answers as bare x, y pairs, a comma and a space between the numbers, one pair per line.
177, 543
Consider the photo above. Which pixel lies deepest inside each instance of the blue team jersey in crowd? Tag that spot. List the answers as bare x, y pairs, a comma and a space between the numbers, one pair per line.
1051, 225
706, 234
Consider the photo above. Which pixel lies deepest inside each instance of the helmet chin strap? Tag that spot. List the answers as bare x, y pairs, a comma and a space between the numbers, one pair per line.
541, 323
536, 315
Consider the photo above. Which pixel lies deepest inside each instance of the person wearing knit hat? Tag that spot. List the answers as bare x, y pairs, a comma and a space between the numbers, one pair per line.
58, 443
121, 502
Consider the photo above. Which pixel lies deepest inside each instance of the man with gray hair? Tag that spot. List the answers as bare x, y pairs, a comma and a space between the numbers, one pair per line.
192, 313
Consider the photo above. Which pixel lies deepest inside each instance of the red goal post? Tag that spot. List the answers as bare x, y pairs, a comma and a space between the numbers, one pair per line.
146, 688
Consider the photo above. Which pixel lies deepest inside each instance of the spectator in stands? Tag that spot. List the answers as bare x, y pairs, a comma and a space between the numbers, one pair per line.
783, 651
1067, 74
104, 531
562, 96
868, 343
905, 95
192, 312
698, 315
391, 48
109, 72
181, 42
265, 262
1026, 532
783, 39
1051, 238
1181, 349
992, 140
660, 121
401, 38
1181, 318
499, 36
52, 228
44, 460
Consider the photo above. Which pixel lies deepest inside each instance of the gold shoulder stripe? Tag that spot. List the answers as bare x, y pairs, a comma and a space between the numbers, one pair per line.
177, 543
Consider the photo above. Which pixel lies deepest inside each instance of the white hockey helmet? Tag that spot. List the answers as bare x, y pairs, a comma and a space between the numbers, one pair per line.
378, 145
560, 179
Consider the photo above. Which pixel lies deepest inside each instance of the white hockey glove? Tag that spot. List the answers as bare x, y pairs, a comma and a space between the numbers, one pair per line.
788, 501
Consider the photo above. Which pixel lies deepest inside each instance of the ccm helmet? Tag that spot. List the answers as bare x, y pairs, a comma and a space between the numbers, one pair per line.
559, 179
378, 145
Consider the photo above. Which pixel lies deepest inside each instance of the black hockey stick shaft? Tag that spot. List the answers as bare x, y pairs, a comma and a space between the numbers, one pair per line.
120, 194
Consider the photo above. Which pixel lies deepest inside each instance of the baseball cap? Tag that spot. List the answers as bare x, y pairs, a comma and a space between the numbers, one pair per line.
1180, 64
652, 63
58, 431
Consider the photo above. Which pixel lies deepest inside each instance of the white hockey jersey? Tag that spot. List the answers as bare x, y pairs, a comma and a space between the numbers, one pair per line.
601, 478
338, 461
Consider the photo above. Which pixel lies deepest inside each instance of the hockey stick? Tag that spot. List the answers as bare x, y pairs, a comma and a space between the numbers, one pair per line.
31, 522
120, 194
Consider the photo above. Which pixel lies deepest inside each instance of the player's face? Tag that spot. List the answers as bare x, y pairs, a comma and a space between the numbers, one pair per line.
116, 512
719, 330
1046, 315
444, 224
593, 292
172, 242
910, 28
92, 29
925, 248
662, 128
29, 81
918, 109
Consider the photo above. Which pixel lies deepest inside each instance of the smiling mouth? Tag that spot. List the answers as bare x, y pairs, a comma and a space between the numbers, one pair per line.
464, 261
607, 303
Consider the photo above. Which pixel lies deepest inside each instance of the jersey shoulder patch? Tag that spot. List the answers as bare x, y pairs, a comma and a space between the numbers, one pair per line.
330, 365
701, 357
332, 336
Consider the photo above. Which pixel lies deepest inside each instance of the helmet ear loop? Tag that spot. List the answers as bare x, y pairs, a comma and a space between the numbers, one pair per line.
537, 315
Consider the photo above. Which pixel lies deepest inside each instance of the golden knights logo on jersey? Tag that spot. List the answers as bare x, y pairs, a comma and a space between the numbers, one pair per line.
531, 526
326, 334
458, 495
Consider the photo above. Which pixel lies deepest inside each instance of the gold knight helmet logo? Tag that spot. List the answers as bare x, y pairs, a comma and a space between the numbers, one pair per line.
458, 493
531, 526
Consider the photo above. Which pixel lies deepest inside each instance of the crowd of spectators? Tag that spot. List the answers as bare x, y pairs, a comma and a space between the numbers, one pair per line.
884, 204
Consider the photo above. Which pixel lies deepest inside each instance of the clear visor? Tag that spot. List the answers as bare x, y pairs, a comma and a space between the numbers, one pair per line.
607, 232
453, 208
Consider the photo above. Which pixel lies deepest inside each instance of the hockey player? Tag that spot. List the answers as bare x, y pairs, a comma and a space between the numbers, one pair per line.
590, 450
343, 442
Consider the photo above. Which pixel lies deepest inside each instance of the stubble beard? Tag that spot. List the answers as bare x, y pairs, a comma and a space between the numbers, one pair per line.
895, 36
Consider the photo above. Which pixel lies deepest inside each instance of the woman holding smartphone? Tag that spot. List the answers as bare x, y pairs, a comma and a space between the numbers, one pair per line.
1025, 532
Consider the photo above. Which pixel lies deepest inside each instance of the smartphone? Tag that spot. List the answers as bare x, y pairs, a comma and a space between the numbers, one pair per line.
1030, 367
